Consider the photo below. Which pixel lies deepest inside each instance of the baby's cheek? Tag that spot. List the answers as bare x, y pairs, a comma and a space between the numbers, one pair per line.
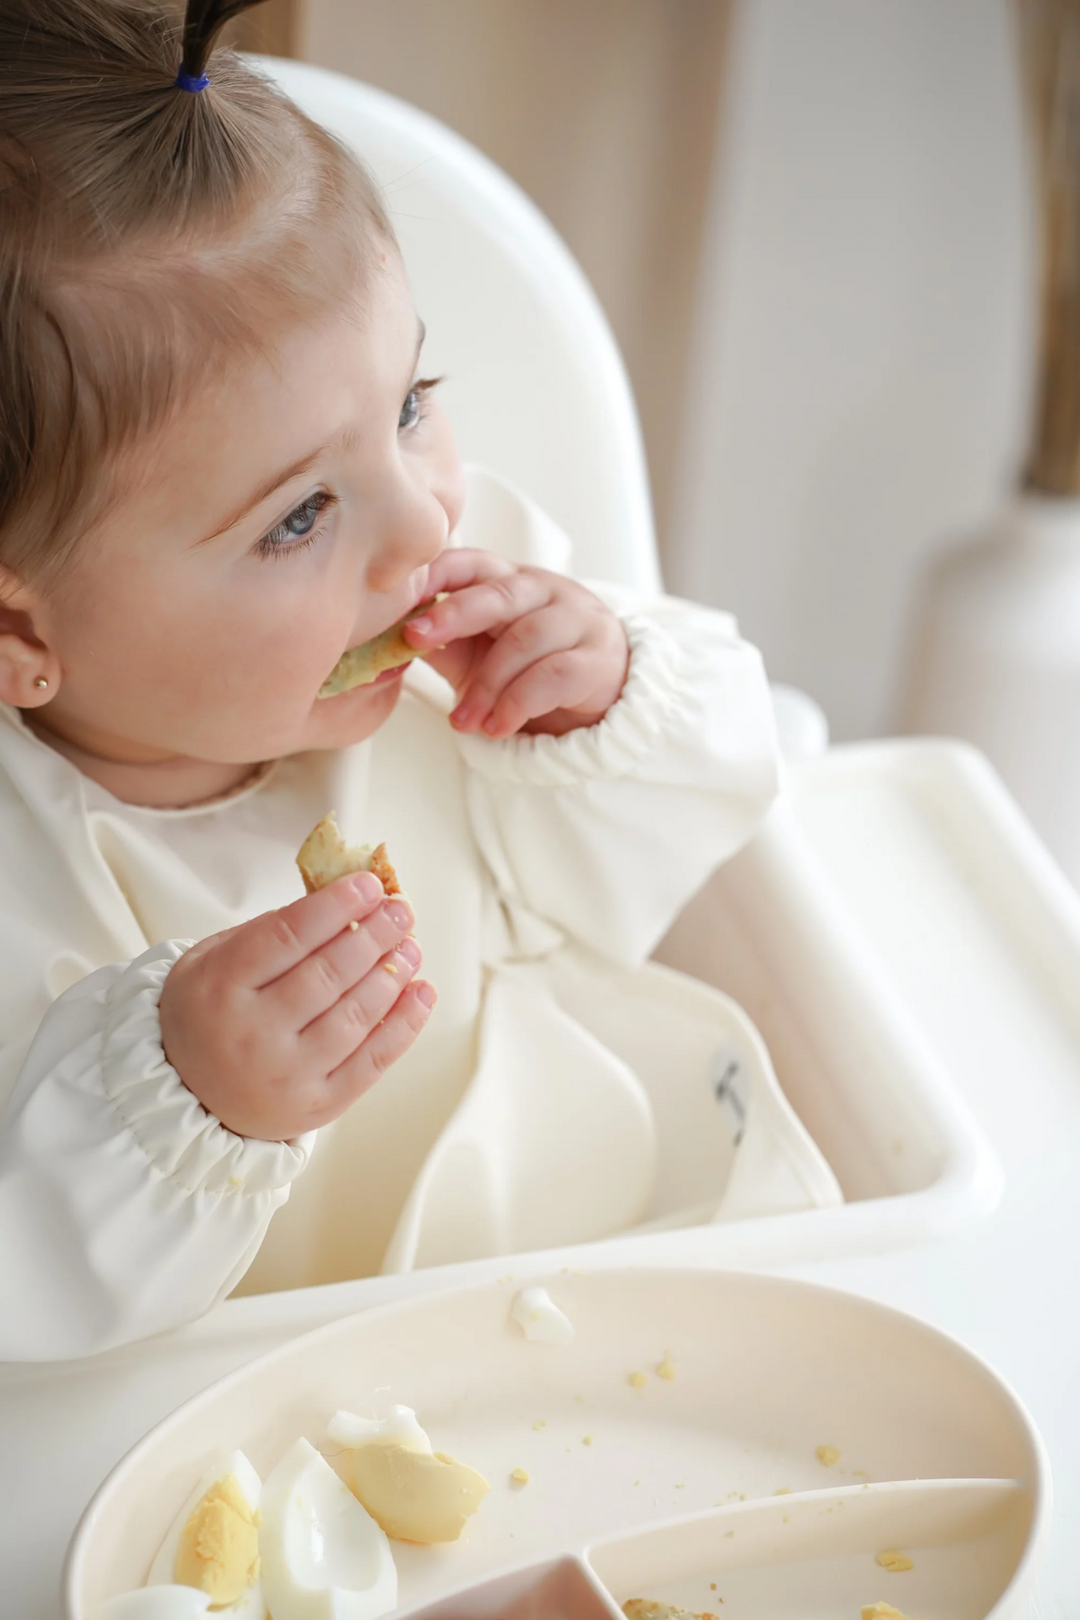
448, 483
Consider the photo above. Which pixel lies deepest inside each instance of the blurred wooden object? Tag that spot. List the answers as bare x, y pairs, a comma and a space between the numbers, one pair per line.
274, 27
997, 651
1050, 35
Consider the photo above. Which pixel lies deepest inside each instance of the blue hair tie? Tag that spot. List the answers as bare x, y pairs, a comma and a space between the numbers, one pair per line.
185, 81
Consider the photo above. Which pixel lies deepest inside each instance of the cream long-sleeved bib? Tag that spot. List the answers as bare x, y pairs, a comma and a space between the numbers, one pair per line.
125, 1208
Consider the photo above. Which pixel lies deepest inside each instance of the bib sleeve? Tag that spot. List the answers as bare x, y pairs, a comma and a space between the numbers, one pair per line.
609, 830
126, 1208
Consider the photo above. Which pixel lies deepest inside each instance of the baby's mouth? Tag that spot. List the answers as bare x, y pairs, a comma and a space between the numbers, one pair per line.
379, 660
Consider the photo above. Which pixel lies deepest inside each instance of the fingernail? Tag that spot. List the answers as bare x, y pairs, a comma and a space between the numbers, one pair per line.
491, 724
425, 994
410, 950
461, 715
399, 914
366, 887
421, 626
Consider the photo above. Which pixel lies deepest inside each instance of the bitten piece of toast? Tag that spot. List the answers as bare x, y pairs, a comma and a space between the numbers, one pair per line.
324, 856
388, 650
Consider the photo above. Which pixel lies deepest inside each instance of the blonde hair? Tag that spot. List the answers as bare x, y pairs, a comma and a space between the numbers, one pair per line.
149, 236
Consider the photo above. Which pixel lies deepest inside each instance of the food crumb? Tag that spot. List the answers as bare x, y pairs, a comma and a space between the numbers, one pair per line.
666, 1369
388, 967
637, 1380
353, 925
540, 1424
645, 1609
712, 1587
520, 1476
881, 1611
827, 1456
588, 1440
785, 1490
681, 1486
895, 1560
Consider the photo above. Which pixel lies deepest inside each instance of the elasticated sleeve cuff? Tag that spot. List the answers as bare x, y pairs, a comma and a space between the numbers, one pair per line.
652, 698
181, 1140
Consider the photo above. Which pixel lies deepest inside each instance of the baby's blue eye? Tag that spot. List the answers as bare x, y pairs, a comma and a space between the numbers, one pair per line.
299, 528
415, 407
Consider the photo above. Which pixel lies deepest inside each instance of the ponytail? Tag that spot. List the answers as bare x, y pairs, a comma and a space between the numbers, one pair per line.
201, 24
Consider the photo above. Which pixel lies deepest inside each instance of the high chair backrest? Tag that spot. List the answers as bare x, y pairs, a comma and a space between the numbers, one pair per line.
536, 387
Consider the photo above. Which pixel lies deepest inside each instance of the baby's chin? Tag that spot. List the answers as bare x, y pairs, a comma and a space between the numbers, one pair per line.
350, 717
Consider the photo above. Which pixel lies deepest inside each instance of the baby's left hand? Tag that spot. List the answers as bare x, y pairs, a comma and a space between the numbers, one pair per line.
524, 649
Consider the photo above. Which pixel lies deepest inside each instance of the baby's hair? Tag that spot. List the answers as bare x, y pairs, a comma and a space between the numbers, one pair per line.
150, 236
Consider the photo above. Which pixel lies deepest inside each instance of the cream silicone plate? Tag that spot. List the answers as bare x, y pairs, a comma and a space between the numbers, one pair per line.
655, 1491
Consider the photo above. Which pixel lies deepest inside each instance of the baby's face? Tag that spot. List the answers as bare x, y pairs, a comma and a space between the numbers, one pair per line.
204, 616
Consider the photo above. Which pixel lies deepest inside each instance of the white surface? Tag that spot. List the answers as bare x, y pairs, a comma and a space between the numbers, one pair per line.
808, 1558
765, 1373
865, 329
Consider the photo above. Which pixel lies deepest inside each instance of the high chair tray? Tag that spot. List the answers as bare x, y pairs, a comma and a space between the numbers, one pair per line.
976, 957
782, 1436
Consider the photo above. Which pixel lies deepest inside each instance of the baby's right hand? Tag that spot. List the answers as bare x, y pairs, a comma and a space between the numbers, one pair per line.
278, 1025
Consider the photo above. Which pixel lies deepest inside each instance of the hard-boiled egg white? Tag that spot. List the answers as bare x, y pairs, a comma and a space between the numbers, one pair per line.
154, 1603
163, 1570
323, 1557
539, 1318
398, 1428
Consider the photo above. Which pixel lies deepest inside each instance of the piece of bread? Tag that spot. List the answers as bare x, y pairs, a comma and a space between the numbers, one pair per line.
361, 665
324, 856
643, 1609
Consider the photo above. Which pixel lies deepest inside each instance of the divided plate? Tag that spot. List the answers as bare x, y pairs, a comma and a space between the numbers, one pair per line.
666, 1491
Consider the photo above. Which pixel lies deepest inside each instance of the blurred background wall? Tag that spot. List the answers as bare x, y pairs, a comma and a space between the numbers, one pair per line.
809, 223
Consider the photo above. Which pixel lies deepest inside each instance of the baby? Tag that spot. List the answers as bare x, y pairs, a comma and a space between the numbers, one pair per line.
221, 467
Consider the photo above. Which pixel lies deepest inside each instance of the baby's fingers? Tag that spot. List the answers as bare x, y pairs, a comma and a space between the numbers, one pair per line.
321, 979
262, 950
529, 639
330, 1040
482, 607
388, 1042
563, 680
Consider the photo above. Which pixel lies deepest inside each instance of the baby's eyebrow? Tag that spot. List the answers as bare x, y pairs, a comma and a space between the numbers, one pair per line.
344, 441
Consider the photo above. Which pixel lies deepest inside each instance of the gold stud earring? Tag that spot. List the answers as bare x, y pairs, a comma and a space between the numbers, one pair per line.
41, 683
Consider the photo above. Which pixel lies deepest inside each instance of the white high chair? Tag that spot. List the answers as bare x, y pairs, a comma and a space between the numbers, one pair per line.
898, 935
898, 832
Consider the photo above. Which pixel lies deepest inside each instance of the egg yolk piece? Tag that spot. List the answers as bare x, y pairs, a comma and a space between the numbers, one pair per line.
415, 1495
219, 1545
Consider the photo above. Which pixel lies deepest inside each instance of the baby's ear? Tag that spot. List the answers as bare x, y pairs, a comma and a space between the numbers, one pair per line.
29, 668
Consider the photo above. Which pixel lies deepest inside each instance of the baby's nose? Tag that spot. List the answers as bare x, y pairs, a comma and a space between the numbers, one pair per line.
415, 534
